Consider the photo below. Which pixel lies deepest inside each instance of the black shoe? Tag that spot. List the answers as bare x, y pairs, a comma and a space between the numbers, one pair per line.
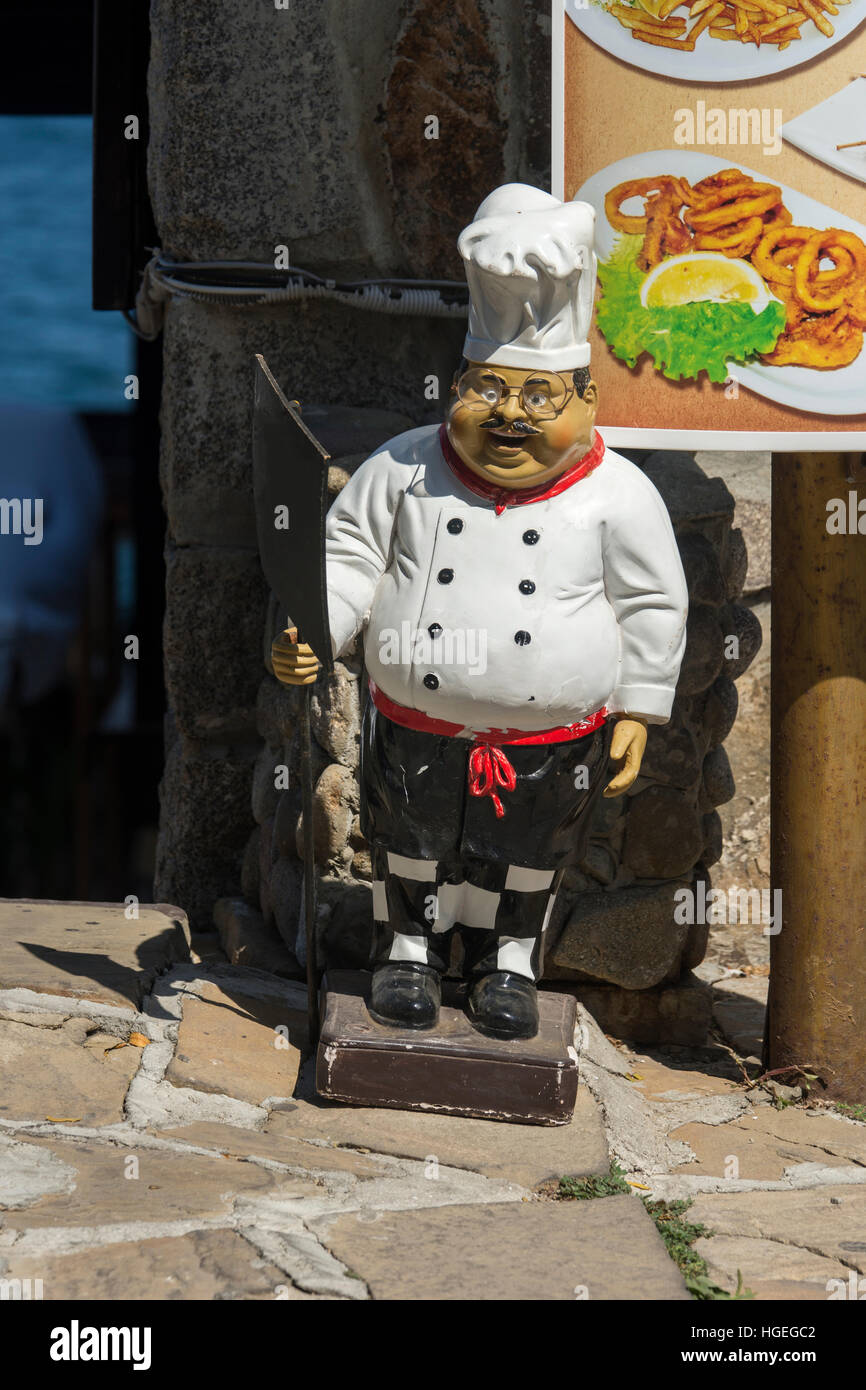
504, 1005
405, 995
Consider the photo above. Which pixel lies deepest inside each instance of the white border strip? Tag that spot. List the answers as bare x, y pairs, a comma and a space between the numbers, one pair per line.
628, 437
785, 442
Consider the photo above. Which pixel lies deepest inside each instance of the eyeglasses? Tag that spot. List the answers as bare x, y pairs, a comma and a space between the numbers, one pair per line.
542, 397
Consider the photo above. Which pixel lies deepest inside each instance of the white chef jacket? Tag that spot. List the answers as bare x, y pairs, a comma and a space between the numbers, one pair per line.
548, 612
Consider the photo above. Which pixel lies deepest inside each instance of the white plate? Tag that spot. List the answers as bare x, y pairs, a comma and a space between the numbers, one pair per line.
713, 60
838, 392
841, 117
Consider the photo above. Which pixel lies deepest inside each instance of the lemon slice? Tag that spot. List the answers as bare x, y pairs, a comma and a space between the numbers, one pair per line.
704, 275
651, 6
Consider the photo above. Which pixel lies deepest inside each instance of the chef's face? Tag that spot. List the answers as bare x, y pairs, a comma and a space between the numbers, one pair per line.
508, 445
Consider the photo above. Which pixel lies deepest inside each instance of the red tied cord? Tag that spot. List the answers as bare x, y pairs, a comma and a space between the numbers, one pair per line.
489, 767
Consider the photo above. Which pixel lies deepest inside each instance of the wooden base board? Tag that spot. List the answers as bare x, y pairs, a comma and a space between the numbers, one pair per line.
451, 1069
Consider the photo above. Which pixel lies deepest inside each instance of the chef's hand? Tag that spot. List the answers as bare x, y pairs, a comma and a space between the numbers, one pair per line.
293, 661
629, 742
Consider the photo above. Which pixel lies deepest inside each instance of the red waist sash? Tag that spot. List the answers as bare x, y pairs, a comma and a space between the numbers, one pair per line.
489, 766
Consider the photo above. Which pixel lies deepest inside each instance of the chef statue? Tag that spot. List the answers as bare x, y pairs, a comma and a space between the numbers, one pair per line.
523, 608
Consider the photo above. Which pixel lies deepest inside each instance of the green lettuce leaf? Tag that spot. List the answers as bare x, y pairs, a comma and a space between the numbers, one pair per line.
682, 341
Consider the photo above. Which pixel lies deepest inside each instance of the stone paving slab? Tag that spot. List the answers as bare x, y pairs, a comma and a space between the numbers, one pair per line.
168, 1186
227, 1043
769, 1269
527, 1251
60, 1073
767, 1142
89, 950
199, 1265
34, 1018
830, 1132
661, 1079
525, 1154
826, 1221
241, 1143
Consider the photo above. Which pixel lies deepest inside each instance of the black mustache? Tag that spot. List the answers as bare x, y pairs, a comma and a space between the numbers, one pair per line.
513, 427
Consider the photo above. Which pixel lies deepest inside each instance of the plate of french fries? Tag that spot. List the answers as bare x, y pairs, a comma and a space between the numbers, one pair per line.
672, 210
716, 40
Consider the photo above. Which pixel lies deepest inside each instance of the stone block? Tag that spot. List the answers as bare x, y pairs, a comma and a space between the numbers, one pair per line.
628, 938
334, 807
434, 193
286, 894
335, 716
248, 942
754, 518
215, 607
678, 1013
673, 755
250, 868
718, 779
311, 346
287, 95
206, 432
746, 627
696, 946
347, 939
264, 791
736, 562
713, 842
204, 826
663, 837
277, 710
720, 710
286, 821
702, 569
267, 859
689, 495
362, 865
705, 650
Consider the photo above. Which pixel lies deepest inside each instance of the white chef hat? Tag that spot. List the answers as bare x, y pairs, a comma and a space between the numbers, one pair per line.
531, 269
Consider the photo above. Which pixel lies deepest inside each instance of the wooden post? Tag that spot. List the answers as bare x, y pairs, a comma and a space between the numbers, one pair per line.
817, 1009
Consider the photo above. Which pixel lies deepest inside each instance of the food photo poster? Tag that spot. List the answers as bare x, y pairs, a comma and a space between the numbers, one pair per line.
722, 144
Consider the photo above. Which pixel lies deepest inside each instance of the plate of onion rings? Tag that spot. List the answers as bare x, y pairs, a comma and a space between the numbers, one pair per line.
683, 216
716, 40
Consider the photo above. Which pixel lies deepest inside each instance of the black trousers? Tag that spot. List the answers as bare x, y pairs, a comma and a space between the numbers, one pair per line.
444, 861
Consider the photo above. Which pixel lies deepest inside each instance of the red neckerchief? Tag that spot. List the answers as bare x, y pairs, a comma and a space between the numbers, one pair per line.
503, 497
